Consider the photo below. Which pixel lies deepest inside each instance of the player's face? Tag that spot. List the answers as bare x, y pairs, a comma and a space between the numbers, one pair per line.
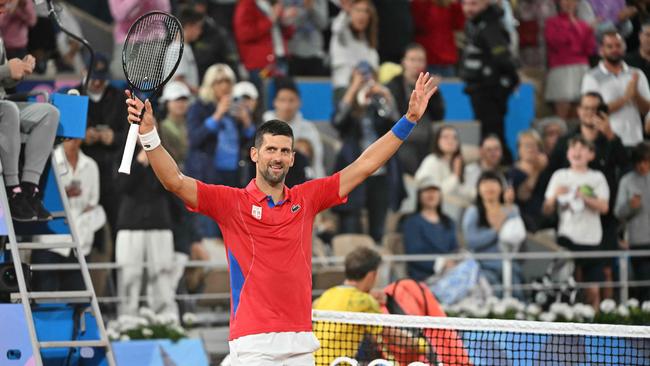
273, 158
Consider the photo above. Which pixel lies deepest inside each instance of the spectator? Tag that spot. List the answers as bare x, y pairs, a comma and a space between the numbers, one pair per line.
354, 40
105, 134
524, 177
144, 238
581, 195
262, 29
244, 109
401, 86
428, 230
625, 89
39, 122
70, 55
633, 208
490, 153
550, 129
435, 24
306, 47
124, 13
488, 68
607, 15
216, 43
445, 166
569, 43
364, 113
394, 14
16, 19
81, 182
493, 225
187, 71
173, 129
641, 58
286, 104
532, 15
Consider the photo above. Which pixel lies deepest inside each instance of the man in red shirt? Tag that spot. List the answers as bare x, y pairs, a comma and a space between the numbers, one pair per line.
267, 229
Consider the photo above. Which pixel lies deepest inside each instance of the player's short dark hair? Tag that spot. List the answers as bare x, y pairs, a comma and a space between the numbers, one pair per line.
274, 127
640, 153
286, 83
579, 139
360, 262
187, 16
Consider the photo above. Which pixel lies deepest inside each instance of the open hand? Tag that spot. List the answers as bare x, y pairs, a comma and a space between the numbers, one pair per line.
425, 86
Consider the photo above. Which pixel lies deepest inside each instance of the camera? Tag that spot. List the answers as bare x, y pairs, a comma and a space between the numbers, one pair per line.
365, 69
602, 108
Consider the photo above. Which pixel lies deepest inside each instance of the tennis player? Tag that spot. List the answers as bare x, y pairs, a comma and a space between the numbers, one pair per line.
267, 229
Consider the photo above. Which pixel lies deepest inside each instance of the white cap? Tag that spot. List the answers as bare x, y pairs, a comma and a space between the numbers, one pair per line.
175, 90
245, 88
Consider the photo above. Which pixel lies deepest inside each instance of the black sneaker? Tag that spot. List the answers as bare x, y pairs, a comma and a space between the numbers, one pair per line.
37, 206
21, 209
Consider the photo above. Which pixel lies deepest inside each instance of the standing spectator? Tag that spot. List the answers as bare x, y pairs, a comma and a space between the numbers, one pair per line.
633, 208
81, 182
524, 176
306, 47
435, 23
580, 195
624, 89
488, 68
493, 225
532, 15
124, 13
490, 155
187, 71
354, 40
364, 113
607, 15
173, 129
105, 134
15, 21
144, 239
262, 29
417, 147
286, 104
569, 43
394, 14
445, 166
641, 58
428, 230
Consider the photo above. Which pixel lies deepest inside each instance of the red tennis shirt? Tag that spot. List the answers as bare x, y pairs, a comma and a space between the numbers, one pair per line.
269, 251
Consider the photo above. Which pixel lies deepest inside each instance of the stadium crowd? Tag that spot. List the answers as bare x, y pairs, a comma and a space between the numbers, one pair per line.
581, 169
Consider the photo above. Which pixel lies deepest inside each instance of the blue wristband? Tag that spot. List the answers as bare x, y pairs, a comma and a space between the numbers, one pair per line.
402, 129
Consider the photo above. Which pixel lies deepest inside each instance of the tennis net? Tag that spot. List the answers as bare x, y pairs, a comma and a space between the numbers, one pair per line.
365, 339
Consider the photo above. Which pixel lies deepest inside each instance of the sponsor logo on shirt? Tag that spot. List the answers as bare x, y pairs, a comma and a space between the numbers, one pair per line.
295, 208
257, 212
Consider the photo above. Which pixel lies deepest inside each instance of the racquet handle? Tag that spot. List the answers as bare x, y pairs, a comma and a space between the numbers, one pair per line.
129, 149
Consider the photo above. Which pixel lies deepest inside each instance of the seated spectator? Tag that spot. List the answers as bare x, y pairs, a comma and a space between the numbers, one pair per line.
633, 209
640, 58
550, 130
173, 129
490, 155
188, 71
569, 43
365, 113
428, 230
144, 240
417, 146
435, 24
38, 121
580, 195
445, 166
524, 178
105, 134
306, 46
354, 40
81, 182
286, 104
493, 225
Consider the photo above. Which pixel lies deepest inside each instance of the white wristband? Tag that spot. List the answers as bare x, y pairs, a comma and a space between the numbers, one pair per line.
150, 140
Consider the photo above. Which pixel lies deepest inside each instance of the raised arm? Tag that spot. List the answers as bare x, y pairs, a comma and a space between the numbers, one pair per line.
377, 154
162, 163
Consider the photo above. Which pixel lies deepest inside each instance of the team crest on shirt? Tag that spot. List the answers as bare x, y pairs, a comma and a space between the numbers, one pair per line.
257, 212
295, 208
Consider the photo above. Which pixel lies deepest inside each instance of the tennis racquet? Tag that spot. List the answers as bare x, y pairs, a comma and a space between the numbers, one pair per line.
152, 51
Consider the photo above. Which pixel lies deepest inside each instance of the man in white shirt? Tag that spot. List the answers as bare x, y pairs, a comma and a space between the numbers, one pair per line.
624, 89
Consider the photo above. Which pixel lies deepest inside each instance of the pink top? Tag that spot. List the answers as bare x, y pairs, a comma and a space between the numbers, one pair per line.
14, 27
568, 42
125, 12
